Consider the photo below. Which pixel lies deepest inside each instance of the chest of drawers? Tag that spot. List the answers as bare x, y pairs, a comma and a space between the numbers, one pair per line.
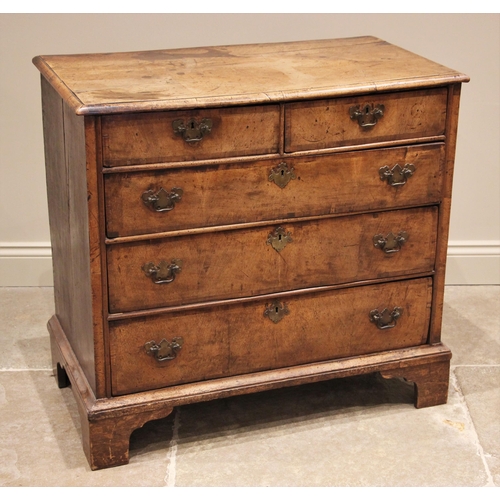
226, 220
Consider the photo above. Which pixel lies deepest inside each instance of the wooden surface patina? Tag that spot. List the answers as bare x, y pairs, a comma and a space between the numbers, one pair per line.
227, 220
237, 74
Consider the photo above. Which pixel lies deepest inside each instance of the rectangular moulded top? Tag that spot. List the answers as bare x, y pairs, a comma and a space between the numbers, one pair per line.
203, 77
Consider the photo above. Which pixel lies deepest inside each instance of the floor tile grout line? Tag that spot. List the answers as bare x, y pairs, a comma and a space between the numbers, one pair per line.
172, 452
479, 447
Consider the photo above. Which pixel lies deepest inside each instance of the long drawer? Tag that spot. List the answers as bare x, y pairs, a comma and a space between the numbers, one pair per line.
189, 135
247, 262
177, 348
167, 200
331, 123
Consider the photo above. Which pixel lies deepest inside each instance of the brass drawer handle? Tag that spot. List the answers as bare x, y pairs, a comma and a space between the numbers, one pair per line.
162, 201
282, 175
165, 350
390, 243
397, 175
276, 311
386, 319
279, 239
367, 115
192, 131
163, 272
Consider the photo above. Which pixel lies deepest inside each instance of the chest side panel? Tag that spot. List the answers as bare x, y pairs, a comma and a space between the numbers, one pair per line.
65, 155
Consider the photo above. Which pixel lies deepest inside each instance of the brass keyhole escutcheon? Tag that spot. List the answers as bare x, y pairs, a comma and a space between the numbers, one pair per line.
279, 239
276, 311
282, 175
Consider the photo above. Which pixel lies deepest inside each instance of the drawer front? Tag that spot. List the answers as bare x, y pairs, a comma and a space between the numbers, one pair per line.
248, 262
244, 338
167, 200
335, 123
189, 135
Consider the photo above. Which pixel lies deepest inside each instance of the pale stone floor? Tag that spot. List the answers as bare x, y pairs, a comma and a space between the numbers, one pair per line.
362, 431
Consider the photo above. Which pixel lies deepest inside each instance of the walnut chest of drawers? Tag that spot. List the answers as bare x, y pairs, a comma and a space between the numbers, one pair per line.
226, 220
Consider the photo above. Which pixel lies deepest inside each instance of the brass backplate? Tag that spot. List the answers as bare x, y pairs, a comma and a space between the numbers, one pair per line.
164, 350
397, 175
367, 115
386, 318
162, 200
391, 243
191, 130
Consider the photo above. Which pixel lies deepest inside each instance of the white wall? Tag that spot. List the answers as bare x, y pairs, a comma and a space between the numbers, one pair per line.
469, 43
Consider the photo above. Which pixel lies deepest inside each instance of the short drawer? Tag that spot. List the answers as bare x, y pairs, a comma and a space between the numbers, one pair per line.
248, 262
177, 348
331, 123
168, 200
143, 138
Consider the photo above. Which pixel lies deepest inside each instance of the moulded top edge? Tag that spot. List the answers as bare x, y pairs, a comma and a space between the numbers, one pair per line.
242, 100
237, 75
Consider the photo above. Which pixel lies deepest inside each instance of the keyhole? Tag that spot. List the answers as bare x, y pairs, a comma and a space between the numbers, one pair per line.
276, 310
279, 237
192, 125
367, 109
282, 173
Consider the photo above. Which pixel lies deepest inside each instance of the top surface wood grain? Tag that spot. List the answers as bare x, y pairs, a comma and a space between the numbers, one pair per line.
238, 74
